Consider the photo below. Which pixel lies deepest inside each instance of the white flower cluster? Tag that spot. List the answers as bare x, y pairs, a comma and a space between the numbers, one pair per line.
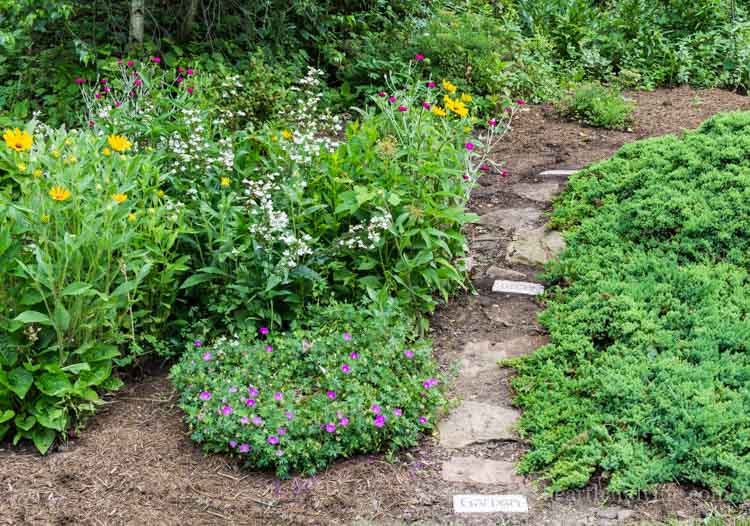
366, 238
314, 129
198, 152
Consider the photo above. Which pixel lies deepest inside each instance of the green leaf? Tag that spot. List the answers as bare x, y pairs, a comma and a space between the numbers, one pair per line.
52, 418
6, 415
62, 318
76, 368
25, 423
19, 381
43, 439
32, 316
113, 383
96, 375
76, 289
53, 384
196, 279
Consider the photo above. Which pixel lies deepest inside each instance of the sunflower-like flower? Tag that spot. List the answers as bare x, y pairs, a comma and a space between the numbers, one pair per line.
447, 86
119, 143
119, 198
18, 140
225, 181
437, 110
58, 193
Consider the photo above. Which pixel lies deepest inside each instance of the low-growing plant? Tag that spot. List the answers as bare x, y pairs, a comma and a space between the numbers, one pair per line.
344, 380
598, 106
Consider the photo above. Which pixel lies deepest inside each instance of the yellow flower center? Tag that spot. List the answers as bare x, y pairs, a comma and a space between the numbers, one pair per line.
120, 198
225, 181
106, 152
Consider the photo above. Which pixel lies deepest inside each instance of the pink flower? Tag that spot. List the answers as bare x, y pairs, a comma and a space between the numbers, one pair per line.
422, 420
466, 177
281, 431
179, 69
244, 420
419, 57
130, 63
119, 62
258, 421
289, 415
331, 394
244, 448
402, 108
409, 354
156, 60
278, 396
503, 173
103, 82
197, 343
190, 91
484, 168
379, 421
80, 81
375, 409
391, 99
252, 391
138, 82
343, 421
226, 410
250, 402
354, 356
508, 109
426, 105
345, 369
205, 396
207, 357
273, 440
331, 428
520, 102
263, 331
98, 95
347, 337
233, 444
492, 122
269, 348
397, 412
180, 79
107, 89
118, 104
190, 71
469, 146
431, 84
382, 94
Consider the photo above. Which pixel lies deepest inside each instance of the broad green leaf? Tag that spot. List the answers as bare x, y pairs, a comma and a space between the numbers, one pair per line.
6, 415
52, 418
76, 368
24, 423
196, 279
53, 384
19, 381
62, 318
32, 316
43, 439
76, 289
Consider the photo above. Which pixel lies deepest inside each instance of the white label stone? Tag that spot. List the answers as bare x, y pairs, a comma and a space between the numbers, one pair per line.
490, 504
517, 287
560, 173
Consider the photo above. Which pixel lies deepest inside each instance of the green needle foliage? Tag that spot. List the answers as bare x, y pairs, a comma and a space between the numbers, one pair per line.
645, 379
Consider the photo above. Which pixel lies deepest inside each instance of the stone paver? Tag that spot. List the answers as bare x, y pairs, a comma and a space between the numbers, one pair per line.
557, 173
539, 192
481, 356
480, 471
517, 287
511, 218
475, 422
535, 247
496, 272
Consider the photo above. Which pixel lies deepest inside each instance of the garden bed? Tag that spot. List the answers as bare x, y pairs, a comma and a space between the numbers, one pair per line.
136, 464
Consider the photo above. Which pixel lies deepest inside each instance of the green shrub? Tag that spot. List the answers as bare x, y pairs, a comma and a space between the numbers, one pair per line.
344, 380
88, 267
646, 375
598, 106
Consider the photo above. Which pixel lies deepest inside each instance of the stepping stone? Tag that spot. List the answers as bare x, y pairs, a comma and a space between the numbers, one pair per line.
511, 218
517, 287
475, 422
539, 192
557, 173
478, 357
480, 471
535, 247
496, 272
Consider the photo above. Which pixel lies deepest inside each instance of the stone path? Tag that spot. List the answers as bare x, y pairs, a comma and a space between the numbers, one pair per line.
480, 419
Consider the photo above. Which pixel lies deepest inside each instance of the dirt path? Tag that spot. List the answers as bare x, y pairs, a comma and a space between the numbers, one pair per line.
135, 464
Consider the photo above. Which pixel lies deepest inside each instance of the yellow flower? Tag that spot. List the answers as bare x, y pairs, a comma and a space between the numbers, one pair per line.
38, 173
274, 138
71, 159
68, 142
119, 143
58, 193
465, 97
106, 152
21, 167
437, 110
55, 154
447, 86
18, 140
44, 218
160, 193
120, 198
131, 217
287, 134
225, 181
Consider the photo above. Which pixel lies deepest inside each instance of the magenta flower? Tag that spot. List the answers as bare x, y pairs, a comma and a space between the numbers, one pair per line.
419, 57
156, 60
331, 394
118, 103
382, 94
250, 402
379, 421
98, 95
493, 122
391, 99
397, 412
107, 89
466, 177
409, 354
244, 420
252, 391
80, 81
375, 409
273, 440
278, 396
508, 110
130, 63
426, 105
426, 384
190, 91
331, 428
289, 415
190, 71
103, 82
205, 395
244, 448
503, 173
258, 421
207, 357
433, 381
138, 82
269, 348
233, 444
520, 102
263, 331
180, 70
281, 431
198, 343
226, 410
484, 168
422, 420
469, 146
345, 369
347, 337
343, 421
180, 79
354, 355
431, 84
403, 108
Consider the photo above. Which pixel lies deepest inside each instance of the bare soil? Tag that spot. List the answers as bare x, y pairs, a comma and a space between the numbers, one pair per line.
135, 464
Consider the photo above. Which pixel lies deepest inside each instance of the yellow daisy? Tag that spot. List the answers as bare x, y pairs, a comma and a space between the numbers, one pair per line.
466, 98
447, 86
21, 167
58, 193
437, 110
119, 143
131, 217
38, 173
106, 152
225, 181
287, 134
18, 140
120, 198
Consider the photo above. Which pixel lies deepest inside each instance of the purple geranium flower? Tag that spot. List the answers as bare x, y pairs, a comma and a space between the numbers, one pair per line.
207, 357
258, 421
232, 390
233, 444
226, 410
198, 343
331, 394
263, 331
205, 395
375, 409
281, 431
343, 421
289, 415
423, 420
354, 355
331, 428
379, 421
345, 368
278, 396
409, 354
397, 412
244, 420
244, 448
252, 391
269, 348
347, 337
273, 440
250, 402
